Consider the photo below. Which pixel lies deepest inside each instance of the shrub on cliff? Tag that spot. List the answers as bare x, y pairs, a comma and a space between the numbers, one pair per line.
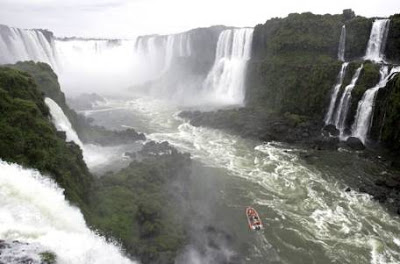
392, 50
47, 83
140, 204
28, 137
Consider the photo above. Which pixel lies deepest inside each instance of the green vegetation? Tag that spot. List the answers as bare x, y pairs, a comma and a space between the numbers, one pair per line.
357, 36
297, 88
48, 257
387, 115
369, 77
139, 205
47, 83
392, 50
294, 61
28, 137
298, 34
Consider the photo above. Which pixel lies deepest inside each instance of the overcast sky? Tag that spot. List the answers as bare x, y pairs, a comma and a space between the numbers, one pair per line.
128, 18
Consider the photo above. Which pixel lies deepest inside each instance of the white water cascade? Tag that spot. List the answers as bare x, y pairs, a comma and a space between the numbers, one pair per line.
377, 40
96, 157
33, 210
344, 104
342, 44
62, 123
157, 53
26, 44
363, 118
335, 92
100, 66
226, 80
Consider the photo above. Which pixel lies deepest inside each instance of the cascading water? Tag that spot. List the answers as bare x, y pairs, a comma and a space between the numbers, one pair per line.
33, 210
96, 157
335, 92
62, 123
344, 104
157, 53
377, 40
97, 65
363, 118
226, 80
342, 44
26, 44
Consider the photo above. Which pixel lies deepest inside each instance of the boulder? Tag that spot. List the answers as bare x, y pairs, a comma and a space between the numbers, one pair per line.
332, 130
355, 143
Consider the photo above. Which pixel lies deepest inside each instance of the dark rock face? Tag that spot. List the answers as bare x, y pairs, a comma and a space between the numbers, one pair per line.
392, 50
332, 130
355, 143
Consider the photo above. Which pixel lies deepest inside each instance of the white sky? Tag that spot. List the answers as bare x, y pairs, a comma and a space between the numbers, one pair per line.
127, 18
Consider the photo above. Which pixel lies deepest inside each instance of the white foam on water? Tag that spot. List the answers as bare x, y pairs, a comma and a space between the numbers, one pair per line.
341, 222
34, 210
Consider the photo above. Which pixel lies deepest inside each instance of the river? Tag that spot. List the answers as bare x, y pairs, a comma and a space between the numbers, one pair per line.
309, 216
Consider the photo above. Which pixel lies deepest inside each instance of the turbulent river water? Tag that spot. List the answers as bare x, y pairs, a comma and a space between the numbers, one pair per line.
308, 215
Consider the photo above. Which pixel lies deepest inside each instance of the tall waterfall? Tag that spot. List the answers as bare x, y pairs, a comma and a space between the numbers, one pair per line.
335, 92
363, 118
343, 107
226, 79
34, 210
377, 40
157, 53
342, 44
62, 123
26, 44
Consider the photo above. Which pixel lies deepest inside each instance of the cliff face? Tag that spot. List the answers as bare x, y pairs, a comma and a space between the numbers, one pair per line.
386, 122
294, 62
137, 206
393, 42
28, 137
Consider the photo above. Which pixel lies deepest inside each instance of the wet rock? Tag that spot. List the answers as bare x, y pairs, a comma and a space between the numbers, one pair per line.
347, 131
380, 182
130, 154
324, 143
332, 130
355, 143
380, 197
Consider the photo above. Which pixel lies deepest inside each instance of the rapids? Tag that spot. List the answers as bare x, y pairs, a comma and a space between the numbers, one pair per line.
33, 210
309, 216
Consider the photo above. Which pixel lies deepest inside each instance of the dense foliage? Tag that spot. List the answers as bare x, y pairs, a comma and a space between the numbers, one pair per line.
48, 84
369, 77
28, 137
387, 115
357, 36
139, 205
392, 50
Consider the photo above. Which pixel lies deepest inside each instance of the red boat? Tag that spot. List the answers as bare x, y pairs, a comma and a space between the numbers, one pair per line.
253, 219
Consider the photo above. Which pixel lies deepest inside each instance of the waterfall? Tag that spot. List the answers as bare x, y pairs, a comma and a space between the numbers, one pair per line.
157, 53
363, 118
344, 105
377, 40
335, 92
226, 79
33, 210
62, 123
342, 44
26, 44
98, 66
